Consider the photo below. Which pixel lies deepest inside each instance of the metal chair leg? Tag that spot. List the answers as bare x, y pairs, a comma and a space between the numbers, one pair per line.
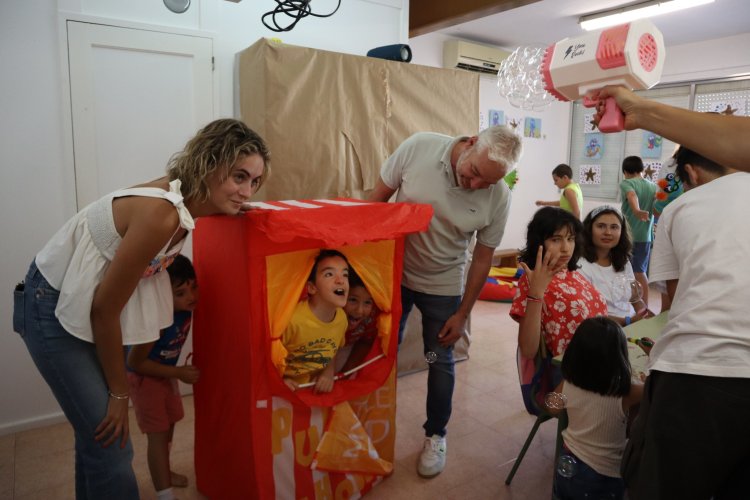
539, 420
562, 423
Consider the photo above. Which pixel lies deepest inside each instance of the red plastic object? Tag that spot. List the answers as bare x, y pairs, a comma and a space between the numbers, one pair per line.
610, 53
612, 119
648, 52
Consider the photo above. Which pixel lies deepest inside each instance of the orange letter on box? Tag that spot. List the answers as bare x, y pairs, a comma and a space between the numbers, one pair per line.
323, 488
281, 425
345, 490
305, 444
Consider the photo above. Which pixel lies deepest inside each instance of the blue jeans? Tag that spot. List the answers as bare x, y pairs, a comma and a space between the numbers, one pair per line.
435, 309
71, 368
641, 253
586, 483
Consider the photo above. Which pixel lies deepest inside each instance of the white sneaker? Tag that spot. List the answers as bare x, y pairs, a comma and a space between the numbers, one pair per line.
432, 458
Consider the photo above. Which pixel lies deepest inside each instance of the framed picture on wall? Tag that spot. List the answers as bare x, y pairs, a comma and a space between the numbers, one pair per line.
593, 146
651, 145
532, 127
497, 117
590, 174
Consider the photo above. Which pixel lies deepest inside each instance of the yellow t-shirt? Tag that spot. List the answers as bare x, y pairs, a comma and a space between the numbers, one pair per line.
311, 343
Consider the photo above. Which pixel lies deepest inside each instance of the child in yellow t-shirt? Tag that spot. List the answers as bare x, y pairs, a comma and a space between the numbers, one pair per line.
318, 324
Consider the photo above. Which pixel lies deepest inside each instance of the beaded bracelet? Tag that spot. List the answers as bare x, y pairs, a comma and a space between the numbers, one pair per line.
118, 396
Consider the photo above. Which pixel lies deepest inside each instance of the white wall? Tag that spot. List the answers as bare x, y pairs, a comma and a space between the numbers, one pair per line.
718, 58
37, 186
540, 156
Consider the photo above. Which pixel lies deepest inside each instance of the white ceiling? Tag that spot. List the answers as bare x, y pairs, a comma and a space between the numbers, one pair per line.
549, 21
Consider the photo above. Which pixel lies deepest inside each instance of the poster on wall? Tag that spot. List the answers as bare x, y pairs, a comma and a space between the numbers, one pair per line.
651, 145
734, 107
588, 122
651, 170
532, 127
593, 146
590, 174
497, 117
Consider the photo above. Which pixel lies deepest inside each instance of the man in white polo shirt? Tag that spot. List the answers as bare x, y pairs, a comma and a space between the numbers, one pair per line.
461, 178
690, 439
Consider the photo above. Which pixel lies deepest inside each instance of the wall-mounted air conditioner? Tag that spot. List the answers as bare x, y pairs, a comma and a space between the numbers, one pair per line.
458, 54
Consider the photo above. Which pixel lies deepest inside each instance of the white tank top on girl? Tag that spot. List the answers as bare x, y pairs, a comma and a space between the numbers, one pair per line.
75, 259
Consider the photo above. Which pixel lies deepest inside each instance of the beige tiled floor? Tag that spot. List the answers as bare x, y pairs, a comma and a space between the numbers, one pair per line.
486, 431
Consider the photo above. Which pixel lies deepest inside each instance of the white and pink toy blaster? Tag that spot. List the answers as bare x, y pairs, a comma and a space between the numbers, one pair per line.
630, 54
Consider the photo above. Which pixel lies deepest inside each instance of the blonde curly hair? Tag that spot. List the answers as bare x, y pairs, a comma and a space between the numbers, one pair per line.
217, 146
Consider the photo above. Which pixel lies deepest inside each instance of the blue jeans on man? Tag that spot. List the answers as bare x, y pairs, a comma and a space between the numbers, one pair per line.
71, 368
435, 309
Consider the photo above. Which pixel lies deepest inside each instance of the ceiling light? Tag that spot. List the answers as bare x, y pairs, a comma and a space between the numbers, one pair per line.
638, 11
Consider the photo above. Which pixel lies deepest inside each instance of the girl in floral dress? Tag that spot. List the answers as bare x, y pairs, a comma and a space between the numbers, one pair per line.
553, 298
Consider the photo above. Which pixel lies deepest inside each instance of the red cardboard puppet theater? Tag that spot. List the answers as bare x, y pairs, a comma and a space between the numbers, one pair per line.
254, 437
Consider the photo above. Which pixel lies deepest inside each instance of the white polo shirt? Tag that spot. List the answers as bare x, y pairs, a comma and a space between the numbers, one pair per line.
434, 260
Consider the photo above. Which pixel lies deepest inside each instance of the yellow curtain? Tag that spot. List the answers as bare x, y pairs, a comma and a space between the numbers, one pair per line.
287, 273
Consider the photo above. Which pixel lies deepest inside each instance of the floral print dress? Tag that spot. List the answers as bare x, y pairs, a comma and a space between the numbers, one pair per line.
568, 300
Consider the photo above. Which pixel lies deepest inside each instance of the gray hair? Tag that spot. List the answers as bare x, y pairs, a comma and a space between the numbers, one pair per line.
504, 146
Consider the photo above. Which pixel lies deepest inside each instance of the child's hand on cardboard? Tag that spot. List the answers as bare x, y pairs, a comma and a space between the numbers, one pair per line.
324, 382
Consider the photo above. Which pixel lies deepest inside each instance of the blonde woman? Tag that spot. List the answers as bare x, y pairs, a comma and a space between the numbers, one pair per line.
100, 283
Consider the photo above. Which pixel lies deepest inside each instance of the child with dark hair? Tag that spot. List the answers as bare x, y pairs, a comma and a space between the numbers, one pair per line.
153, 375
606, 250
638, 197
599, 394
571, 196
316, 330
362, 328
553, 297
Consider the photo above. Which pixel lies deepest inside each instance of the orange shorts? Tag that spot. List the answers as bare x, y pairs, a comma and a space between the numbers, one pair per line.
156, 401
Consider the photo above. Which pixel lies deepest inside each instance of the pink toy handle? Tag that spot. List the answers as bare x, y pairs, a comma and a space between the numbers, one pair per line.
612, 119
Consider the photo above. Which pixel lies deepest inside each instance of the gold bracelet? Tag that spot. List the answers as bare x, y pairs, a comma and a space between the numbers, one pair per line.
118, 396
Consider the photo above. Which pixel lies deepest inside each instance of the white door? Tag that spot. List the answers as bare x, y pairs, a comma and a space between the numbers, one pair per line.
136, 96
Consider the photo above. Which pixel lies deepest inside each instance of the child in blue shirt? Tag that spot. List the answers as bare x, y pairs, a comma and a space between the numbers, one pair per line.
153, 375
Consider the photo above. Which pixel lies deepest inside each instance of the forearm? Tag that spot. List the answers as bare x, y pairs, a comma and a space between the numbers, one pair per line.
720, 138
328, 370
154, 369
530, 330
109, 350
635, 206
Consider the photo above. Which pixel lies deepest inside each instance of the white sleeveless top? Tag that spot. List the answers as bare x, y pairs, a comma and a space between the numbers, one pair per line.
75, 259
596, 429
